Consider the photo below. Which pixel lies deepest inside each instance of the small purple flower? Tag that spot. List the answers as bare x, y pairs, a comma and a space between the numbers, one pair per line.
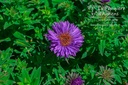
104, 1
77, 81
66, 39
74, 79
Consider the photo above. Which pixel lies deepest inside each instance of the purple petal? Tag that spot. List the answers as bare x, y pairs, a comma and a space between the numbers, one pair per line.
75, 31
57, 28
66, 26
52, 35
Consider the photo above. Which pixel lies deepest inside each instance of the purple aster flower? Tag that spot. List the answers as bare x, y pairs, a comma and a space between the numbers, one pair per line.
74, 79
77, 81
66, 39
104, 1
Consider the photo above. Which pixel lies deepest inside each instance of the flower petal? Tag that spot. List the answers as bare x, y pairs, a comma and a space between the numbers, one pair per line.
52, 35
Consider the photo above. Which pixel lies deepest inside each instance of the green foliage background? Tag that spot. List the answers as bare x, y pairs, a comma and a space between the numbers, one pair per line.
25, 58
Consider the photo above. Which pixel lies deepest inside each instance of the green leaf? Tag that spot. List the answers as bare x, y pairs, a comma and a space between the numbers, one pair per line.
20, 83
22, 43
25, 76
6, 40
92, 72
35, 76
7, 24
107, 54
5, 55
101, 47
55, 2
19, 35
84, 55
125, 63
38, 33
49, 79
46, 2
116, 42
55, 71
106, 82
118, 71
1, 18
117, 78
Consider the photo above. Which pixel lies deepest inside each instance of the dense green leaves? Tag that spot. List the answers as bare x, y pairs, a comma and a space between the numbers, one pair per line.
25, 57
5, 55
30, 79
6, 66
